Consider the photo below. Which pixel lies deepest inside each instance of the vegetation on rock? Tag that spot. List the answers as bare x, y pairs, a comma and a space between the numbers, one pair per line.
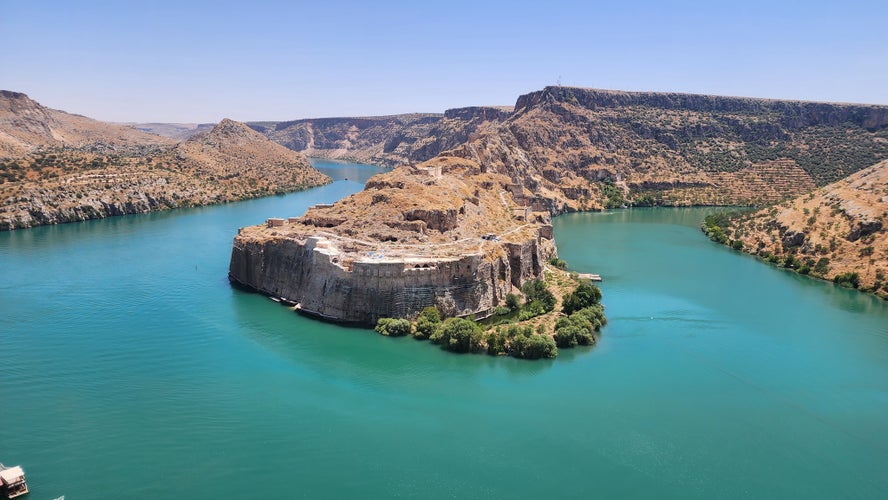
513, 333
835, 233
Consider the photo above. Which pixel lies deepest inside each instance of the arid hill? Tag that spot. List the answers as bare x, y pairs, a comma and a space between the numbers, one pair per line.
25, 125
575, 149
592, 148
837, 232
387, 140
62, 168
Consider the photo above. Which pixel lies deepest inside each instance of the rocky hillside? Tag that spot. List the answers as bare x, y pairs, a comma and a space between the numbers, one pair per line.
387, 140
25, 125
580, 148
574, 149
62, 168
838, 232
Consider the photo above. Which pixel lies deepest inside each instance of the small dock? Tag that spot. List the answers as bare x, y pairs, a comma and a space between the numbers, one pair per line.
589, 276
12, 482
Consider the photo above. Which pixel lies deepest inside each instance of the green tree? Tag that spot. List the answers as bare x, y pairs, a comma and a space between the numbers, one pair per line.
393, 327
512, 301
849, 279
496, 343
429, 320
458, 335
533, 347
586, 294
536, 291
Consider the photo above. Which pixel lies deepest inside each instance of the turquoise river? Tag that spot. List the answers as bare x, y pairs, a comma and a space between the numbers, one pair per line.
129, 368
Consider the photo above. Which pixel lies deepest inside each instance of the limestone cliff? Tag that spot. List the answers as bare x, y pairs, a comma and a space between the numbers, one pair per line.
836, 232
575, 149
386, 140
442, 234
584, 148
64, 168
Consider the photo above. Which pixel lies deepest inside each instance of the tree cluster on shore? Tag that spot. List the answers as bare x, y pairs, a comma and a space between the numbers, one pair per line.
581, 316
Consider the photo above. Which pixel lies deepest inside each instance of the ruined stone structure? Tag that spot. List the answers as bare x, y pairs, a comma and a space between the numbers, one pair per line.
462, 252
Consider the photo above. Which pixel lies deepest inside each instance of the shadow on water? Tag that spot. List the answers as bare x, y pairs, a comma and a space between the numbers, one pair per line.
348, 351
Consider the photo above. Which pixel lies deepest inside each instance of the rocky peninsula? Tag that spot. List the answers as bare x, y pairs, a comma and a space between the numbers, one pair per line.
445, 233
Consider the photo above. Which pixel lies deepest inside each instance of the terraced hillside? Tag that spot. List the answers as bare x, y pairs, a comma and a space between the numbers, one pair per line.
838, 232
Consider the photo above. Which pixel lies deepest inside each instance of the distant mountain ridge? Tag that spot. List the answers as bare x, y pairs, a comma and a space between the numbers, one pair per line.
177, 131
383, 140
575, 148
25, 125
56, 167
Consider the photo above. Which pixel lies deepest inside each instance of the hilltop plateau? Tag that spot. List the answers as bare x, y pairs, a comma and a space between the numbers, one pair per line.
837, 232
57, 167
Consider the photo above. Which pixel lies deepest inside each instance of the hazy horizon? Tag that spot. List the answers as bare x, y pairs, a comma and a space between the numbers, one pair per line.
270, 61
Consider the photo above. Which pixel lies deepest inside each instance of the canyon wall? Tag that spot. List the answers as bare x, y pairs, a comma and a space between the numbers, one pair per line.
388, 140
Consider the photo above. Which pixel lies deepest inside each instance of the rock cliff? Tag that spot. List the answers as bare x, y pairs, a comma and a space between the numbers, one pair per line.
387, 140
584, 148
442, 234
63, 168
576, 149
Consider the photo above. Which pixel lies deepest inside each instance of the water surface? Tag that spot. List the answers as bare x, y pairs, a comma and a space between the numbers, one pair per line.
130, 368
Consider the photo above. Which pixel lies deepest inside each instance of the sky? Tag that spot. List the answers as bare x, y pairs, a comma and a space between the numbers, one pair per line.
201, 61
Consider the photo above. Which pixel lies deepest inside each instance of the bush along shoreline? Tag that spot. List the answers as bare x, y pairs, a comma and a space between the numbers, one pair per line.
720, 228
531, 326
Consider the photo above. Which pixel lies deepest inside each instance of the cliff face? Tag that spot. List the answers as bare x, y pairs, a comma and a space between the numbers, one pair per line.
388, 140
836, 230
586, 148
67, 168
302, 272
575, 149
441, 234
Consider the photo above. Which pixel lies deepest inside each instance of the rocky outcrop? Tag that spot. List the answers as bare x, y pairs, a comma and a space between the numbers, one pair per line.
462, 252
791, 114
365, 291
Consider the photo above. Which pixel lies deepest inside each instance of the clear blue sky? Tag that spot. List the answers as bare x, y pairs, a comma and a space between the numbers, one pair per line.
263, 60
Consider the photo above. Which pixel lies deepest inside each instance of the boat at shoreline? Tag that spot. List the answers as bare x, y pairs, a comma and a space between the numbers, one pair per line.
12, 481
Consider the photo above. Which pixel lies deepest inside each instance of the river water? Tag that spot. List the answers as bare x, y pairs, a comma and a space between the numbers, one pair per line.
129, 368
